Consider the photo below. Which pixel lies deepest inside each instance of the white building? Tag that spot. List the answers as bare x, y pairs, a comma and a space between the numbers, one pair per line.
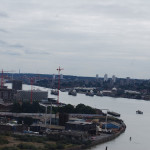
54, 76
105, 78
97, 76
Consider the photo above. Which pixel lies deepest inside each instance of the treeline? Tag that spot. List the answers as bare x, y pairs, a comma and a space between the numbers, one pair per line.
80, 109
26, 107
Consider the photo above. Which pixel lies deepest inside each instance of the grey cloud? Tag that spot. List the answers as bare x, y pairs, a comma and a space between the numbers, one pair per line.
3, 30
13, 49
37, 52
2, 42
118, 9
77, 34
6, 44
11, 53
16, 46
3, 14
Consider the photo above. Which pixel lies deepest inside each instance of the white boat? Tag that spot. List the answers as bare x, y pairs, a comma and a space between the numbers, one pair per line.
90, 93
54, 92
72, 92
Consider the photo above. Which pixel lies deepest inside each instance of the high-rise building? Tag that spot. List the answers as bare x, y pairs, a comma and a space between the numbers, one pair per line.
105, 78
54, 76
113, 79
97, 76
127, 80
61, 76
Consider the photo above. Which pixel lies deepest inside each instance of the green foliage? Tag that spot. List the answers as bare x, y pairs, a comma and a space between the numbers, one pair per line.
83, 109
3, 140
5, 133
16, 108
66, 109
26, 146
87, 142
50, 147
9, 148
28, 138
80, 108
27, 120
26, 107
60, 146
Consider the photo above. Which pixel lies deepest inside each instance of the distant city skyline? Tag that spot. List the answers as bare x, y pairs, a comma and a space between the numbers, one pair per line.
85, 37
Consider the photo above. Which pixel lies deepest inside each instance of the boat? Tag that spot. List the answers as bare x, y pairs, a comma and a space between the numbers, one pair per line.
139, 112
90, 93
54, 92
99, 93
72, 92
63, 90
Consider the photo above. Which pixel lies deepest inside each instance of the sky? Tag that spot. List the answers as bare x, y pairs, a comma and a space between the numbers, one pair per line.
85, 37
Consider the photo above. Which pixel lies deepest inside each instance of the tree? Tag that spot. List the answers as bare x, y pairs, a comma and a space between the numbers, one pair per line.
83, 109
16, 108
27, 120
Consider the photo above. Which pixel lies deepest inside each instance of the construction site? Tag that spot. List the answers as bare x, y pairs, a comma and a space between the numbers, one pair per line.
57, 125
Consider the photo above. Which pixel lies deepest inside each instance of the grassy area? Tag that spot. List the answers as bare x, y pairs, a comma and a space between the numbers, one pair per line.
28, 138
3, 140
26, 142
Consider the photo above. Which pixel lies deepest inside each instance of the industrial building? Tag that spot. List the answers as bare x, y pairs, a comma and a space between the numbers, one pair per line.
81, 126
17, 85
4, 107
37, 95
111, 125
12, 127
7, 95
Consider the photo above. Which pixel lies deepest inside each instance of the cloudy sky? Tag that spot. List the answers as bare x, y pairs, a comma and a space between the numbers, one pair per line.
85, 37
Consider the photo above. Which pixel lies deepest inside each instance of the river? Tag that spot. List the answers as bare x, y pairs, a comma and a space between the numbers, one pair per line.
137, 125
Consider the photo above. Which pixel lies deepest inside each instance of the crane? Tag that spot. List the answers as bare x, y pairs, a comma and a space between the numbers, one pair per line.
2, 77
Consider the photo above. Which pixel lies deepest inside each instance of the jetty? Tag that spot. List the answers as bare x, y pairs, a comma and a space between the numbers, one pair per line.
113, 113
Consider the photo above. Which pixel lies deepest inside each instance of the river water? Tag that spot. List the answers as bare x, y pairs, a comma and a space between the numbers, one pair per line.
137, 125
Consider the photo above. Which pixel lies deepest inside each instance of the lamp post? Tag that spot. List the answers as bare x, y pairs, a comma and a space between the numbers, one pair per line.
106, 121
106, 118
46, 105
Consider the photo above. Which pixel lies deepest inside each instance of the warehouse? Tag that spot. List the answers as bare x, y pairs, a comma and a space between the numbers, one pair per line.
81, 126
37, 95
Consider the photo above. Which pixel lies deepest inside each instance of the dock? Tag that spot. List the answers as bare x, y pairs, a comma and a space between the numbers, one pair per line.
113, 113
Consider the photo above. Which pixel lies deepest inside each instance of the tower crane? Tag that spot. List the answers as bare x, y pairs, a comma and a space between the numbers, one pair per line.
2, 76
59, 70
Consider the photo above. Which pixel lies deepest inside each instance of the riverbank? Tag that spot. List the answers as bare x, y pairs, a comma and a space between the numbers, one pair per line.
106, 139
19, 141
98, 141
116, 95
